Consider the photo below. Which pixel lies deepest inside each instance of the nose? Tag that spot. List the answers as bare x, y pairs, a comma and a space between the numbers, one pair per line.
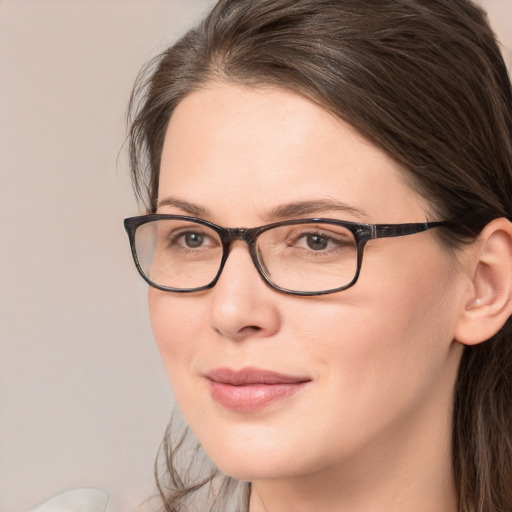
242, 304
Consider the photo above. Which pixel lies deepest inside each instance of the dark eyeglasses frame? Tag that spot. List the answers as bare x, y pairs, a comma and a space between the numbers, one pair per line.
363, 233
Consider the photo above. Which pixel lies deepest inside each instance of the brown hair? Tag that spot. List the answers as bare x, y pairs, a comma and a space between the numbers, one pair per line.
425, 82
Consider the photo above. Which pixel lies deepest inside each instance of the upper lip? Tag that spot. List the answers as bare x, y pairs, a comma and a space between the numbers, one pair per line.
248, 376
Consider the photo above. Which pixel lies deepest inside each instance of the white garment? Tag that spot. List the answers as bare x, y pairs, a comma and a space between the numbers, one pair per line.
76, 500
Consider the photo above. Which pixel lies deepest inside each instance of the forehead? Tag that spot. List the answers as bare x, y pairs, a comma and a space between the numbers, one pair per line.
232, 148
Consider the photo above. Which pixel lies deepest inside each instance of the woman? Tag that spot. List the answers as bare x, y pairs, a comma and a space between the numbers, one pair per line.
274, 145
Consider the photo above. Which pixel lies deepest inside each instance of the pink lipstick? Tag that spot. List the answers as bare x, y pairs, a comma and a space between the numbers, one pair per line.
251, 389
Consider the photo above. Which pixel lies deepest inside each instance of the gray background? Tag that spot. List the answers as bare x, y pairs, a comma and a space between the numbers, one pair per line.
83, 396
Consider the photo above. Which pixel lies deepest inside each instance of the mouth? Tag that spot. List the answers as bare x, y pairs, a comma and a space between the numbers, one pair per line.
252, 389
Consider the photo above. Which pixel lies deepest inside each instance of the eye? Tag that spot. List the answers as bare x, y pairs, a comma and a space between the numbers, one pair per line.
188, 239
192, 239
180, 239
317, 242
320, 242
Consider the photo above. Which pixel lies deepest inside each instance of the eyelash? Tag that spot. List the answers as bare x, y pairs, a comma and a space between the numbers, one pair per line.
335, 243
179, 239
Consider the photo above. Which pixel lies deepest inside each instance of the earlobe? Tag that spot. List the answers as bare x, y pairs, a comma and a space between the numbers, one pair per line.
490, 302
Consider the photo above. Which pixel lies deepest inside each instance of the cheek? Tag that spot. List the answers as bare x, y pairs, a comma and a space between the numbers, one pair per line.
177, 325
394, 305
385, 346
411, 289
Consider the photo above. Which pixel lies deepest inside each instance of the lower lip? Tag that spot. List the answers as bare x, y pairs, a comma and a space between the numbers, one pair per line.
252, 397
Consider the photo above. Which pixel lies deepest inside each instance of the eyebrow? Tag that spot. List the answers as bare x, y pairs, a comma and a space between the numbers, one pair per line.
185, 206
317, 207
285, 211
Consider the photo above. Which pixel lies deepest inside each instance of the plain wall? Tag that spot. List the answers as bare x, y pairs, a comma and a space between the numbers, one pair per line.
84, 398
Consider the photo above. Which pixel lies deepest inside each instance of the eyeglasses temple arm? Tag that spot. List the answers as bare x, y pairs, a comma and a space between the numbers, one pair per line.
390, 230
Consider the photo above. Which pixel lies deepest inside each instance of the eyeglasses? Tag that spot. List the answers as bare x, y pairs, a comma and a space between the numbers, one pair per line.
183, 254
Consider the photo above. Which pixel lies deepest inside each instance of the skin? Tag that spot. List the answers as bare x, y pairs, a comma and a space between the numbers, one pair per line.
371, 430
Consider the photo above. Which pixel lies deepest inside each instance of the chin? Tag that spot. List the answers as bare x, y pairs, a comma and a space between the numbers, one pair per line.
258, 458
252, 470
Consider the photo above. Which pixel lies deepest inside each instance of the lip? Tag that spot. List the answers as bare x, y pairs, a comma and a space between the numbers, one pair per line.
252, 389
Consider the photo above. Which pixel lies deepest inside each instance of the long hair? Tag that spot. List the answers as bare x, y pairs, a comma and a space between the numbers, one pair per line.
425, 82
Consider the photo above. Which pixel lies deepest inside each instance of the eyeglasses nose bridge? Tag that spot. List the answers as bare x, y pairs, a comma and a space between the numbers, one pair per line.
247, 235
229, 235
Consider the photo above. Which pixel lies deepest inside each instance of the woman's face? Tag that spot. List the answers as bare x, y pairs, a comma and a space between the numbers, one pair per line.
276, 385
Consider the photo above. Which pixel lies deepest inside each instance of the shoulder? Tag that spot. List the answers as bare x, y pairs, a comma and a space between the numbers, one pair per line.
76, 500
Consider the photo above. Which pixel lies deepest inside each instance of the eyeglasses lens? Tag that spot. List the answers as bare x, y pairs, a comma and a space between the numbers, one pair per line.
180, 254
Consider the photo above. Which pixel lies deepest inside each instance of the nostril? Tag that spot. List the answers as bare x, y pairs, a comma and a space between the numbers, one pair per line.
244, 332
249, 329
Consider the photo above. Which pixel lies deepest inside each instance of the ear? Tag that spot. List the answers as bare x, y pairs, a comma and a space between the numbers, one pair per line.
488, 302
